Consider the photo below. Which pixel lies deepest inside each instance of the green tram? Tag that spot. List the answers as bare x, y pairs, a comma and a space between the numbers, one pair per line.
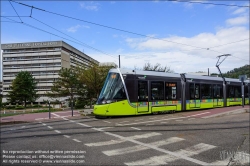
130, 92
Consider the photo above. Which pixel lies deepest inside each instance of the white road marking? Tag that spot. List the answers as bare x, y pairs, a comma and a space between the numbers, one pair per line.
83, 124
65, 119
105, 128
135, 128
76, 140
141, 147
198, 114
23, 127
57, 131
158, 149
67, 136
50, 127
165, 159
61, 112
72, 121
154, 147
112, 142
44, 124
150, 124
151, 121
55, 114
106, 121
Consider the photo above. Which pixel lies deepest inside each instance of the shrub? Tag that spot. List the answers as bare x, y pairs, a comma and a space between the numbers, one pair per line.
19, 107
10, 107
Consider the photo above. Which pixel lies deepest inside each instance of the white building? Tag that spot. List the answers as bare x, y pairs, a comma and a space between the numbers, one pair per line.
43, 60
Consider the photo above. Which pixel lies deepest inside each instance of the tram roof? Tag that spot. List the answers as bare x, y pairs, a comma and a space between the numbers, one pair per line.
173, 75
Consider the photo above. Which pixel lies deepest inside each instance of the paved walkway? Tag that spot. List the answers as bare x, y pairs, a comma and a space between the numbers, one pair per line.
42, 116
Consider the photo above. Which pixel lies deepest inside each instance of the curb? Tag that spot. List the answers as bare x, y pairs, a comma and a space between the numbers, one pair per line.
238, 111
12, 122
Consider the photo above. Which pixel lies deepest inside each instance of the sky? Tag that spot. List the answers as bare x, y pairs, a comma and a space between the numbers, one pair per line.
187, 37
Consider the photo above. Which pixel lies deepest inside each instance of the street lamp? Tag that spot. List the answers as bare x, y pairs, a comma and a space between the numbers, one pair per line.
49, 109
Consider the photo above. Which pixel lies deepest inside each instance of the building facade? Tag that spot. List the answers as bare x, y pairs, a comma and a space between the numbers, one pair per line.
1, 87
43, 60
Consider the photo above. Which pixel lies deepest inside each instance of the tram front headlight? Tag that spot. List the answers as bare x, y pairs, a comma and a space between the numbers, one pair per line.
109, 101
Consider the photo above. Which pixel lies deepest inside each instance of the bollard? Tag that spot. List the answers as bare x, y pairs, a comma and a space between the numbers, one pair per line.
4, 112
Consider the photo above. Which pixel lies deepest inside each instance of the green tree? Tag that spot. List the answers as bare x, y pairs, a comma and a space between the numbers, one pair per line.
66, 85
22, 89
93, 78
157, 67
235, 73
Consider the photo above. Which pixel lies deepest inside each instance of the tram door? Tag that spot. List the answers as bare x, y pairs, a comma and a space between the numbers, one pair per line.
143, 104
217, 96
195, 96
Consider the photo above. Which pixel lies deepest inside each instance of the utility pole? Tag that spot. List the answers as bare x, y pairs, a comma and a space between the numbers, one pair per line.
224, 81
119, 62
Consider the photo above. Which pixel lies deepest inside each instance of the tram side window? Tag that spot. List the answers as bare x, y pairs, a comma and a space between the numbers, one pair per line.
157, 90
170, 91
206, 91
217, 90
194, 91
238, 91
234, 91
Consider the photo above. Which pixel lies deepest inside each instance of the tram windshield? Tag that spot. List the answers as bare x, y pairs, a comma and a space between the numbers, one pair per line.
112, 90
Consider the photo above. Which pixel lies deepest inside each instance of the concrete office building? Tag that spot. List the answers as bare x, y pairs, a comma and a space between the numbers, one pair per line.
43, 60
1, 87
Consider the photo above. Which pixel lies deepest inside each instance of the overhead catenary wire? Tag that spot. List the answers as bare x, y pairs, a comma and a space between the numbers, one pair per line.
32, 7
15, 11
79, 42
207, 3
229, 43
86, 45
118, 29
105, 26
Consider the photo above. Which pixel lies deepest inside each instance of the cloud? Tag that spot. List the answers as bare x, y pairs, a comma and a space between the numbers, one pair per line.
239, 11
191, 59
238, 20
73, 29
93, 6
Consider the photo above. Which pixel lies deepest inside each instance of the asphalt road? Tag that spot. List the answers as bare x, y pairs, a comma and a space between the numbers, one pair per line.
166, 139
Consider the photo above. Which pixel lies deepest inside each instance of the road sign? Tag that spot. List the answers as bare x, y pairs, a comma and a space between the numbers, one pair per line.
242, 78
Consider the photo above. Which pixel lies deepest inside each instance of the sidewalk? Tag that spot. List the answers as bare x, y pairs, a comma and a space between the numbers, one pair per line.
25, 118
